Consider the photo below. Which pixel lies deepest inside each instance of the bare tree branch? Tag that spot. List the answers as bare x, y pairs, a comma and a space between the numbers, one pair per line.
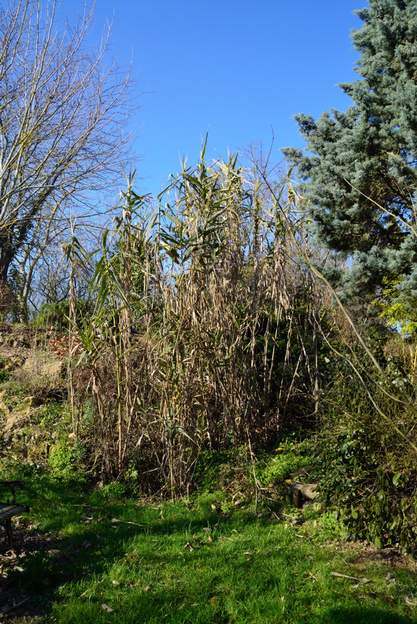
61, 126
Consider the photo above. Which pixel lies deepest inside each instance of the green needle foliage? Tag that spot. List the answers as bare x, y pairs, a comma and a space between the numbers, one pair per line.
360, 166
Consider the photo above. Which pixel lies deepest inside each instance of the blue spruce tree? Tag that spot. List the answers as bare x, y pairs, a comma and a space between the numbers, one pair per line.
360, 166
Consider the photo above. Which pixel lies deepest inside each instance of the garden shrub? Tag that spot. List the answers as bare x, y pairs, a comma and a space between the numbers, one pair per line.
66, 460
56, 315
366, 462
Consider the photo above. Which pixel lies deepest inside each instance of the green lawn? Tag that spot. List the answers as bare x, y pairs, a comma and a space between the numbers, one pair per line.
114, 560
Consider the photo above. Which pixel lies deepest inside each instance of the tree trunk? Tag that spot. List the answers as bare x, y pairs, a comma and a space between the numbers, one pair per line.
6, 294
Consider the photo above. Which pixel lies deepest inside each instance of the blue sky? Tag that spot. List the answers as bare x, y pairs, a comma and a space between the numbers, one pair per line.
232, 68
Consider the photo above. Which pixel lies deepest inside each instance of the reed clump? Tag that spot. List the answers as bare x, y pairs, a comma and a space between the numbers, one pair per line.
203, 333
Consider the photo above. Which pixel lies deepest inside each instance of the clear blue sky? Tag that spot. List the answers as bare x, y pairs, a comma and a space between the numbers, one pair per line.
232, 68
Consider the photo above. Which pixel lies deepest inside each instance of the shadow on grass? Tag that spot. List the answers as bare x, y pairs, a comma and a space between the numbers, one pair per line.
93, 533
364, 616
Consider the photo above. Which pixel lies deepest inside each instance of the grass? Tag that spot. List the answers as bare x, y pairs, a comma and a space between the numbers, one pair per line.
117, 560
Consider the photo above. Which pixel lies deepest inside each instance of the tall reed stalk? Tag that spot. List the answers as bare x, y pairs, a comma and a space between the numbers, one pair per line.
203, 327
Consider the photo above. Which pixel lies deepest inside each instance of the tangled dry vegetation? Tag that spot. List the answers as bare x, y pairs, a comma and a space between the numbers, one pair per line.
202, 332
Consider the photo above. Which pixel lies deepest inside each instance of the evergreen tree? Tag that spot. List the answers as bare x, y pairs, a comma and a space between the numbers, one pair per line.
360, 168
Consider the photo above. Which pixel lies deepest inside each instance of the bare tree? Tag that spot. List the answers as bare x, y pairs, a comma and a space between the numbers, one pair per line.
40, 273
61, 126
